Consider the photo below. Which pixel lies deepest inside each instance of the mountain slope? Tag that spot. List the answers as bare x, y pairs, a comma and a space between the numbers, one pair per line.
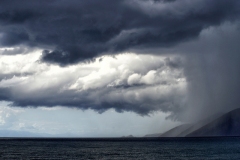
199, 124
153, 135
176, 131
226, 125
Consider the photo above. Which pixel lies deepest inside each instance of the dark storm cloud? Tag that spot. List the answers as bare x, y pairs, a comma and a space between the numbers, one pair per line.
5, 94
81, 30
205, 32
102, 99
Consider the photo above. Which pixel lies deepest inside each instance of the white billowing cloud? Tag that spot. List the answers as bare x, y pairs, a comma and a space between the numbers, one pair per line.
12, 82
126, 82
134, 79
20, 63
116, 71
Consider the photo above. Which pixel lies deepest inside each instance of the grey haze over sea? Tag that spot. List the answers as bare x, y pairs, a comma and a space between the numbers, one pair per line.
121, 148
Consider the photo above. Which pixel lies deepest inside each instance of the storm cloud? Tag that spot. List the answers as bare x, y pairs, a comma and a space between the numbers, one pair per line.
73, 31
184, 55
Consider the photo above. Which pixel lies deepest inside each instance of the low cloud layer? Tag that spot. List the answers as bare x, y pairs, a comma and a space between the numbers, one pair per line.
70, 31
127, 82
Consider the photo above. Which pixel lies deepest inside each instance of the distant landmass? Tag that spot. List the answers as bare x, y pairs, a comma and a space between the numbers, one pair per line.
227, 124
129, 136
176, 131
153, 135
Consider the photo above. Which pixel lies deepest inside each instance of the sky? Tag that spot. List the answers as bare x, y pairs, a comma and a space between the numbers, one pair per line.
106, 68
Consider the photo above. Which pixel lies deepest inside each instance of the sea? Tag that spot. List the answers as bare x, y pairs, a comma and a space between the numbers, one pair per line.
215, 148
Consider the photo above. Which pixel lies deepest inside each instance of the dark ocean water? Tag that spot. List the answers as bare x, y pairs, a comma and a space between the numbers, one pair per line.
141, 148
